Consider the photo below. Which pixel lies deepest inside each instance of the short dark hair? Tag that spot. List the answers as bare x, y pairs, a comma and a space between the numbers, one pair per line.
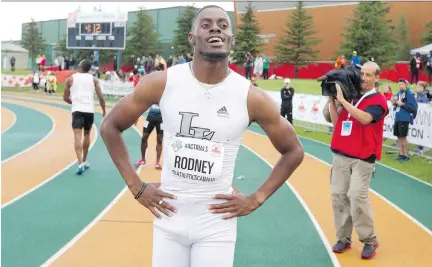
86, 65
402, 80
199, 11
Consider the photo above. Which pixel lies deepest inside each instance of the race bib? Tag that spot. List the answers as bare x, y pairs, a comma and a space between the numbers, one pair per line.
195, 160
346, 128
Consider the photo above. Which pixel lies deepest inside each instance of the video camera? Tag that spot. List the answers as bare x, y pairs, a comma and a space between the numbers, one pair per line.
348, 78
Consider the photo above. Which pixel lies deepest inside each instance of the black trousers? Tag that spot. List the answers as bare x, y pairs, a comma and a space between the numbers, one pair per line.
415, 74
286, 112
265, 74
248, 72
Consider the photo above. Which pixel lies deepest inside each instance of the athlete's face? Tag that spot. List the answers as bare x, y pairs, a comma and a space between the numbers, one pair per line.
212, 36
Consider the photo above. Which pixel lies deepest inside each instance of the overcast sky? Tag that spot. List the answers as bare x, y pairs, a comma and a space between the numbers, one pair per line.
13, 14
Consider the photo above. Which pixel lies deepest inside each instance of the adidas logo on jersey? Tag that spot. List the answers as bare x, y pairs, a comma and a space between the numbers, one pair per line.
223, 112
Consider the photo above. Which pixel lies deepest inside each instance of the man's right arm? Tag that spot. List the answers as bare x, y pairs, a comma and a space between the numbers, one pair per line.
334, 115
66, 92
147, 92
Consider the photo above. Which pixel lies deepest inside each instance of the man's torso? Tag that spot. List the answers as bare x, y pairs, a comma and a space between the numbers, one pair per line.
203, 129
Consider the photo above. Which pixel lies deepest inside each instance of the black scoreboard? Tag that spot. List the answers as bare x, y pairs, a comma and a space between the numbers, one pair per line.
96, 31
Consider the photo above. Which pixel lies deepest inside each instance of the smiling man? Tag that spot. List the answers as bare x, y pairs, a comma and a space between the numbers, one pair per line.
206, 109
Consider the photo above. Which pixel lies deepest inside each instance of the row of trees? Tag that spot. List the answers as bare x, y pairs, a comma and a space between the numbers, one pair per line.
368, 31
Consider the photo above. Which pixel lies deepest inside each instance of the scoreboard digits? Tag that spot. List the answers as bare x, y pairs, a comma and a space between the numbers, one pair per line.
95, 28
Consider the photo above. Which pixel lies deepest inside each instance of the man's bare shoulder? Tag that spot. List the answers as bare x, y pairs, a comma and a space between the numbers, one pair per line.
151, 86
260, 104
69, 80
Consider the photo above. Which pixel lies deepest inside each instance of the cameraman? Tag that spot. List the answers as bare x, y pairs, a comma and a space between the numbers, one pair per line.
356, 145
287, 94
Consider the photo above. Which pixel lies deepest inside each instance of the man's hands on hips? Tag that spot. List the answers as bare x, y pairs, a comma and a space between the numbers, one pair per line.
237, 204
152, 196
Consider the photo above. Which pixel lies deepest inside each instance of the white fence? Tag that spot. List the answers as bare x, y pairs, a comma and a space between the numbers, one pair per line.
306, 108
309, 108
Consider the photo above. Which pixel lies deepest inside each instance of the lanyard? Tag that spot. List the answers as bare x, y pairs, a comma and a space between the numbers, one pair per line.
360, 100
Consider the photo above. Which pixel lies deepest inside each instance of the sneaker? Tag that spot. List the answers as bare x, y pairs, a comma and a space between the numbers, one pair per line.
400, 157
405, 159
340, 247
369, 251
86, 165
139, 163
158, 166
81, 170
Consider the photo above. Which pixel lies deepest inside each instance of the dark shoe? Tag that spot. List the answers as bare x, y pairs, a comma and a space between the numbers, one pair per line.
369, 251
340, 247
400, 157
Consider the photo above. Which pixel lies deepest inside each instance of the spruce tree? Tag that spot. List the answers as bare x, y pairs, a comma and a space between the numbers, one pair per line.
297, 45
247, 38
369, 32
402, 38
426, 37
184, 26
144, 40
33, 41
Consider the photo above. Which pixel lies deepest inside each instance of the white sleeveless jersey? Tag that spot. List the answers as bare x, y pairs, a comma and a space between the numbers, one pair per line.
203, 130
82, 92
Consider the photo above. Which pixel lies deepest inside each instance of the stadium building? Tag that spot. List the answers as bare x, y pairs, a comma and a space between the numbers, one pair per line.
329, 20
164, 19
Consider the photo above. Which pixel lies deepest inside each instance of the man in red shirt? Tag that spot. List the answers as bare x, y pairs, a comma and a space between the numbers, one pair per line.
136, 77
356, 145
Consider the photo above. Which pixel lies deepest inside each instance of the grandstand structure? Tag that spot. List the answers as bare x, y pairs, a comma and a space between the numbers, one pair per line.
164, 19
329, 20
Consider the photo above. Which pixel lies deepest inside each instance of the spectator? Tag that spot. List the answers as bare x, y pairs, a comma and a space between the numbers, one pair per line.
35, 82
388, 92
150, 64
136, 77
404, 105
43, 63
12, 63
421, 97
355, 59
67, 63
356, 145
415, 67
340, 62
38, 62
287, 94
51, 83
170, 61
181, 60
188, 57
72, 63
249, 62
266, 66
429, 68
258, 67
115, 63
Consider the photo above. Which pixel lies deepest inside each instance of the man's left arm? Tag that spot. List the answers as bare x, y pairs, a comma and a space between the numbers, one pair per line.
284, 138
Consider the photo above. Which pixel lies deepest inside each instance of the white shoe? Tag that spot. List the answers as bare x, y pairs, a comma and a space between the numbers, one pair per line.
86, 165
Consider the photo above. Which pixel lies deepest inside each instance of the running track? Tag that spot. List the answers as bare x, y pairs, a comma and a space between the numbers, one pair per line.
51, 217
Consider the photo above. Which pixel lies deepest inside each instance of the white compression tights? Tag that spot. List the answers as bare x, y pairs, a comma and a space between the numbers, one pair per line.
193, 237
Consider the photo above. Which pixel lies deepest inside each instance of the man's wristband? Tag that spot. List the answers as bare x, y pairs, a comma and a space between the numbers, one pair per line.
141, 190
